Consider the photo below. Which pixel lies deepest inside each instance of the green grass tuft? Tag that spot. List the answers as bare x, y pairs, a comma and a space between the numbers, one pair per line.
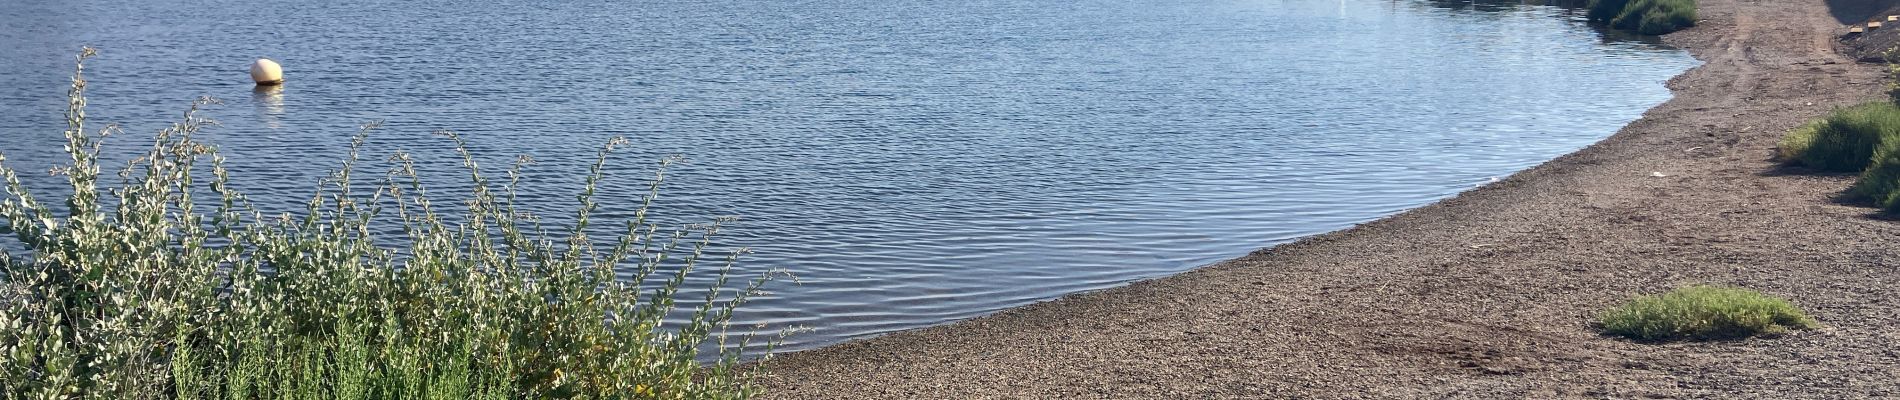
1649, 17
1704, 312
1880, 183
1844, 141
1798, 141
1863, 138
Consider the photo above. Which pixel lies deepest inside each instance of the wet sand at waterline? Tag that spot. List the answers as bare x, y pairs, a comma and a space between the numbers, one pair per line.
1490, 293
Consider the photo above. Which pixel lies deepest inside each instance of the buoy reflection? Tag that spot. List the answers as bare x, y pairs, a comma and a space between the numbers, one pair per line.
270, 104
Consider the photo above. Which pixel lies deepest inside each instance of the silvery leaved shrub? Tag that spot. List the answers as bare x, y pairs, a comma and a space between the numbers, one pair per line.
134, 289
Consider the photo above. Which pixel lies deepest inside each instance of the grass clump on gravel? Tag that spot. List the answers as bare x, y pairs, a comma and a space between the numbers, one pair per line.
1880, 183
1845, 140
166, 283
1863, 138
1649, 17
1704, 312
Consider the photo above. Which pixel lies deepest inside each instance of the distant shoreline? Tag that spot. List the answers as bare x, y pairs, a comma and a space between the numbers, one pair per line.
1490, 293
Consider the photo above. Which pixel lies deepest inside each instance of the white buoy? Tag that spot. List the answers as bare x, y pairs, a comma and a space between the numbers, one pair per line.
266, 72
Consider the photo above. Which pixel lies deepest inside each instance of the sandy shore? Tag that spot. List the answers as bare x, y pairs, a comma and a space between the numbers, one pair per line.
1491, 293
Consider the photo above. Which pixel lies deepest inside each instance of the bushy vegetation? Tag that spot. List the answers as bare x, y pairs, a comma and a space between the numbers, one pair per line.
1704, 312
1880, 183
1649, 17
1861, 138
1845, 140
142, 289
1892, 58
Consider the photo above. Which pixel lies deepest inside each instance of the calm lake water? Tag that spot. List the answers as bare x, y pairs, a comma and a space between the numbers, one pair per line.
914, 162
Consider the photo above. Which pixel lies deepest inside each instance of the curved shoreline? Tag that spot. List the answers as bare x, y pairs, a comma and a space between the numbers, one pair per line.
1488, 293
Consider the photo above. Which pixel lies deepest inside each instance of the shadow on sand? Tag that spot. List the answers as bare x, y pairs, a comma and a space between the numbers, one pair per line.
1857, 11
1844, 197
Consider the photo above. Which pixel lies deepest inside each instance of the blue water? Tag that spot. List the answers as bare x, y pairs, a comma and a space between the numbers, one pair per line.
912, 161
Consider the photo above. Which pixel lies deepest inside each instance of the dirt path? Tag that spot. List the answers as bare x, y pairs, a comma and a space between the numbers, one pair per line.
1489, 294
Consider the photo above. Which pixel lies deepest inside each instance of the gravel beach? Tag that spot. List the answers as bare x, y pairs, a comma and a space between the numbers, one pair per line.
1491, 293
